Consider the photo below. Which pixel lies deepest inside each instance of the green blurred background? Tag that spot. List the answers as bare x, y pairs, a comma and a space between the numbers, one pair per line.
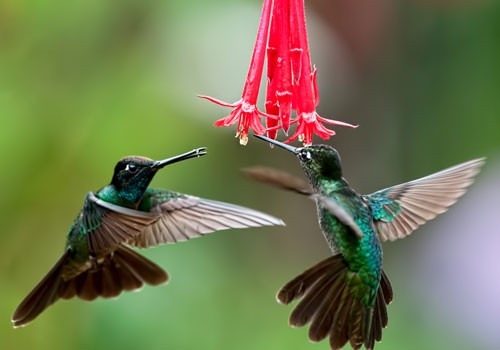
85, 82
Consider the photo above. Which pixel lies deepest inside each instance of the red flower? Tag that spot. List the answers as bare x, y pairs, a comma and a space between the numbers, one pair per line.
311, 123
246, 114
245, 110
279, 74
291, 81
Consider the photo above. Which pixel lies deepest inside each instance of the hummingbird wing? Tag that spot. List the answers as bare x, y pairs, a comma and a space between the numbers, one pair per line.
400, 209
339, 212
287, 181
183, 217
108, 225
278, 178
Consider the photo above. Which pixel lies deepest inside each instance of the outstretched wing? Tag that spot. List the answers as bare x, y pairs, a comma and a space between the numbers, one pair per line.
183, 217
107, 225
278, 178
287, 181
400, 209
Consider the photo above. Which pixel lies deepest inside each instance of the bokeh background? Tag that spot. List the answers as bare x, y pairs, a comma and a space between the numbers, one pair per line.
85, 82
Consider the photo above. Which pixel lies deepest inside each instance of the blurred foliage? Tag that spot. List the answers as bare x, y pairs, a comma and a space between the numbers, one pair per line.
83, 83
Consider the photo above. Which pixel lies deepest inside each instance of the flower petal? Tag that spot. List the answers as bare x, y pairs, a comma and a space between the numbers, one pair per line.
229, 120
314, 82
336, 122
219, 102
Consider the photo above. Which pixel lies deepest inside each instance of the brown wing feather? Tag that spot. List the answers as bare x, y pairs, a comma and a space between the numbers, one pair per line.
113, 224
278, 178
190, 217
339, 212
284, 180
423, 199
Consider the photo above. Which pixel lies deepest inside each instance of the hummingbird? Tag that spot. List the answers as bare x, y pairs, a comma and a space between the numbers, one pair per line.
98, 260
344, 297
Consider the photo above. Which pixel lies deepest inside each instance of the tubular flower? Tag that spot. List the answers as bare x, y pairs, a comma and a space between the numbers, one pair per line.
245, 113
291, 80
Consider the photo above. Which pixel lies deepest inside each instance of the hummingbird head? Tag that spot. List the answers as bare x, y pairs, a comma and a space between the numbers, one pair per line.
318, 161
133, 174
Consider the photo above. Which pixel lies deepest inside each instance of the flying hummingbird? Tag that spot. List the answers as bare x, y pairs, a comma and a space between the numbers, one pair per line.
344, 297
98, 260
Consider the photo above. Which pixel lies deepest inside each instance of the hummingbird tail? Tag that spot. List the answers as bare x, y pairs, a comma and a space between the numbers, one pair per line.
42, 296
123, 269
330, 304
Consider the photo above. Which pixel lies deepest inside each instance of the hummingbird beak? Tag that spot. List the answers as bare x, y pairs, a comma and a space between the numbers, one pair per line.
198, 152
289, 148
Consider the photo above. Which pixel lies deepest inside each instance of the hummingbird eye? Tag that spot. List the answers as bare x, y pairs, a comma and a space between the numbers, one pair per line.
131, 168
305, 155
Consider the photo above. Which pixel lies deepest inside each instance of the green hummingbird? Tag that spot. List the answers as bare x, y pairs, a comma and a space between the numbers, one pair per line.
98, 260
344, 297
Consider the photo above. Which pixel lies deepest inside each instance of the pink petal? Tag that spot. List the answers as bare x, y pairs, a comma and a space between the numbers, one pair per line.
256, 125
320, 130
314, 81
219, 102
335, 122
298, 131
230, 119
272, 108
296, 61
285, 108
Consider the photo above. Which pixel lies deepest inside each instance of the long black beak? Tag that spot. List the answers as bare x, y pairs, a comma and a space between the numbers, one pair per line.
289, 148
198, 152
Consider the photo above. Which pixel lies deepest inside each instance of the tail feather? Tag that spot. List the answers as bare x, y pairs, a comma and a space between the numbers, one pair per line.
144, 269
68, 290
41, 297
312, 301
376, 335
329, 303
88, 283
382, 310
123, 269
339, 334
111, 283
369, 324
384, 318
358, 322
321, 325
386, 288
129, 280
299, 285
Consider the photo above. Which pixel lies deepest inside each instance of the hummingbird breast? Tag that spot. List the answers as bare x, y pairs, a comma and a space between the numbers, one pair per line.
362, 255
